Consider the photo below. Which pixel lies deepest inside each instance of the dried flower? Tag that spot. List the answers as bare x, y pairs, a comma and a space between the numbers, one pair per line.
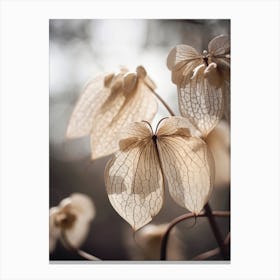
110, 102
134, 177
203, 82
72, 217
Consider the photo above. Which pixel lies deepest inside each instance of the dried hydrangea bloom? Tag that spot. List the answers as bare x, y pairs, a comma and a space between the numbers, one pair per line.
110, 102
134, 178
203, 82
71, 217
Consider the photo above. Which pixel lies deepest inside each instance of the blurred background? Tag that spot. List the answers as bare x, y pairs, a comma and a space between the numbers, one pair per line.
80, 50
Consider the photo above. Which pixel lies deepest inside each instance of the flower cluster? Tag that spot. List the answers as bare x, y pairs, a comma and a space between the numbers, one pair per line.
116, 109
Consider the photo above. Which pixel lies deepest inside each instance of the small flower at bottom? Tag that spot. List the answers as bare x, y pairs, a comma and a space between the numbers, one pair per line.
135, 176
72, 218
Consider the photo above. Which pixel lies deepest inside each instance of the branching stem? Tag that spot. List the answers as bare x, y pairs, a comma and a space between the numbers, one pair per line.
181, 218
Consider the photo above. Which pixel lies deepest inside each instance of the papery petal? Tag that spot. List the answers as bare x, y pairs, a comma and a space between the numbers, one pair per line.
91, 99
109, 103
128, 108
182, 60
177, 126
201, 102
134, 183
188, 167
219, 45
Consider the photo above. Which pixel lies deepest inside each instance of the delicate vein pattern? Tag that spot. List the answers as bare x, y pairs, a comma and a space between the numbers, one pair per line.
201, 103
187, 164
202, 82
134, 179
134, 182
109, 103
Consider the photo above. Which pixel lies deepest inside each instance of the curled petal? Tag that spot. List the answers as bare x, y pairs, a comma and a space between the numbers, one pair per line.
177, 126
181, 60
134, 183
109, 103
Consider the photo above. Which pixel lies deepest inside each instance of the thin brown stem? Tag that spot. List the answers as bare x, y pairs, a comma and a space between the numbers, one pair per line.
163, 102
80, 252
179, 219
213, 252
216, 231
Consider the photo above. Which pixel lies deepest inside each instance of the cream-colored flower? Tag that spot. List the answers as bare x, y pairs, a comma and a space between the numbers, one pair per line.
110, 102
203, 82
72, 217
134, 178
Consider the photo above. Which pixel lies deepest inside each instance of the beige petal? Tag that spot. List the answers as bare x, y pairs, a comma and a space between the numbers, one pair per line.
181, 61
126, 108
188, 167
109, 103
91, 99
134, 183
201, 102
219, 45
177, 126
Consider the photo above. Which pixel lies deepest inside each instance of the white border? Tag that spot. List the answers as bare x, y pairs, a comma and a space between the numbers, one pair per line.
255, 138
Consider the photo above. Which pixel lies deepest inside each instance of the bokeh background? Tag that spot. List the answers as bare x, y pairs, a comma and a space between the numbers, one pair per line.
80, 50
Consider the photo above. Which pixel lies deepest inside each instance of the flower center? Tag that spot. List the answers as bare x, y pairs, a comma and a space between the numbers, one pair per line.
65, 219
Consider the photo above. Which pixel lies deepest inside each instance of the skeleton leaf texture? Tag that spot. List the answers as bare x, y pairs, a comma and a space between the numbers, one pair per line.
108, 103
203, 82
135, 176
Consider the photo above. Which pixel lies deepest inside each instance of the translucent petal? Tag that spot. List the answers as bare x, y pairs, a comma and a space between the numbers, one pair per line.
134, 183
219, 45
91, 99
177, 126
181, 61
125, 109
109, 103
201, 102
188, 167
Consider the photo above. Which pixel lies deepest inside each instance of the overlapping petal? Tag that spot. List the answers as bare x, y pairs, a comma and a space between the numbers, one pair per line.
134, 177
203, 82
109, 103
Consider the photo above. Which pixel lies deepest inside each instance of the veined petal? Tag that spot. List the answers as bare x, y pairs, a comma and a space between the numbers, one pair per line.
201, 102
91, 99
219, 45
182, 60
188, 167
105, 133
109, 103
134, 183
